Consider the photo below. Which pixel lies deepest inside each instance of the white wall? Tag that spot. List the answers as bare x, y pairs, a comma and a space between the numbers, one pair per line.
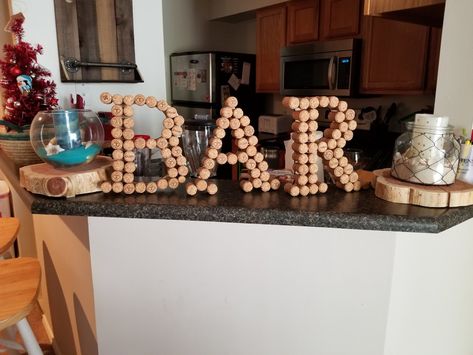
224, 8
149, 55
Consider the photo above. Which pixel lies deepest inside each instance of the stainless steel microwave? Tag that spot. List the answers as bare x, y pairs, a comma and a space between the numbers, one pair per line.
320, 68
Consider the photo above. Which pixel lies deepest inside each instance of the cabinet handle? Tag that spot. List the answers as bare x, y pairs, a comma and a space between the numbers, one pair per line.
331, 73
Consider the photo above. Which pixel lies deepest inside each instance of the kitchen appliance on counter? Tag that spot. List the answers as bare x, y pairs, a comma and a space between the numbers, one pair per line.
320, 68
202, 81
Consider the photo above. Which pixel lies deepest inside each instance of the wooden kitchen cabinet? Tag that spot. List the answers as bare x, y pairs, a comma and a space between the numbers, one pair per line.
270, 38
302, 21
340, 18
393, 57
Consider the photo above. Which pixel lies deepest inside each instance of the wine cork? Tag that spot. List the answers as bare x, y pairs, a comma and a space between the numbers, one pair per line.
313, 168
255, 173
226, 112
201, 184
348, 187
249, 131
117, 154
129, 156
238, 133
173, 183
128, 100
178, 120
291, 102
116, 143
253, 140
170, 162
128, 133
348, 135
181, 179
238, 113
314, 102
128, 111
336, 116
116, 132
223, 122
151, 187
300, 148
140, 100
128, 122
242, 157
106, 187
313, 189
259, 157
312, 178
212, 188
291, 189
304, 103
221, 158
234, 123
332, 133
191, 189
323, 101
256, 183
313, 114
140, 143
130, 167
350, 114
357, 185
333, 102
342, 126
118, 165
348, 170
208, 163
331, 143
251, 150
353, 176
246, 185
212, 153
162, 105
300, 137
219, 132
151, 143
140, 187
251, 164
177, 131
116, 176
313, 158
312, 137
302, 115
172, 172
343, 161
162, 143
203, 173
342, 106
338, 171
313, 125
166, 153
171, 112
344, 179
301, 169
168, 123
265, 186
263, 166
300, 127
117, 99
313, 147
323, 187
242, 143
352, 125
341, 142
166, 133
183, 170
162, 184
328, 154
231, 102
106, 98
151, 101
116, 122
322, 146
338, 153
265, 176
181, 161
304, 190
332, 163
128, 178
117, 187
301, 180
232, 159
129, 188
215, 142
244, 121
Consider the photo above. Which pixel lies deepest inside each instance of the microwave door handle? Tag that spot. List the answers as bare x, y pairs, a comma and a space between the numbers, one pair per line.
331, 73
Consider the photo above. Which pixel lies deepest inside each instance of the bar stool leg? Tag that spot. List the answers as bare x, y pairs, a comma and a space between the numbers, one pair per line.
31, 344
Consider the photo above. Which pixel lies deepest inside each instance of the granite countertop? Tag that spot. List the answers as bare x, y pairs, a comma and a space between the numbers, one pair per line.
334, 209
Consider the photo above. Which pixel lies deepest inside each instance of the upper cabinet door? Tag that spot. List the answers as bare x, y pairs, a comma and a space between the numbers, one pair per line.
302, 21
340, 18
270, 38
394, 56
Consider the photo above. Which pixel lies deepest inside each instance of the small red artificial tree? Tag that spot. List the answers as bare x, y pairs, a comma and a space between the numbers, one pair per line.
27, 85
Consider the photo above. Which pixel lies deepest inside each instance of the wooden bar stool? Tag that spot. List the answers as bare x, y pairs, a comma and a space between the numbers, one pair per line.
19, 286
9, 227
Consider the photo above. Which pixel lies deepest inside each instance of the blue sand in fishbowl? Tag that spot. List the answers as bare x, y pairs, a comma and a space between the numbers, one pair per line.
71, 157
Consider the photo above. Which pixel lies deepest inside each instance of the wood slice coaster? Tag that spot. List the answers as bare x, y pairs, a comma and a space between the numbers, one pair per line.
391, 189
44, 179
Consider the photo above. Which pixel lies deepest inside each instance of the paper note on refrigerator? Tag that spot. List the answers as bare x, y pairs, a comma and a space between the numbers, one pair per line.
192, 80
234, 82
245, 74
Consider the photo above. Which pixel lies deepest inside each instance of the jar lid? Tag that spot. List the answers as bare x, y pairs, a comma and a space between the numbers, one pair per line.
425, 119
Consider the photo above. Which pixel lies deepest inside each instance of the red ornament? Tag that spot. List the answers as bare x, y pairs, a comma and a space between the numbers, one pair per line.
15, 71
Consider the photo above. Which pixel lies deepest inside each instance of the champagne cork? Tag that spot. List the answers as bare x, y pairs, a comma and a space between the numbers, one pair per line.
106, 187
170, 162
173, 183
172, 172
130, 167
291, 189
244, 121
342, 106
222, 158
313, 114
116, 143
181, 160
129, 188
312, 178
232, 159
300, 127
301, 169
246, 185
256, 183
226, 112
242, 157
300, 137
348, 135
140, 187
253, 140
106, 98
234, 123
117, 154
338, 153
151, 101
129, 156
212, 188
332, 163
117, 187
219, 132
313, 147
313, 126
161, 143
313, 189
300, 158
128, 178
348, 170
151, 143
129, 100
223, 122
301, 180
117, 99
251, 150
128, 111
341, 142
181, 179
328, 154
208, 163
357, 186
302, 115
118, 165
183, 170
323, 101
323, 187
265, 186
352, 125
337, 117
212, 153
162, 184
231, 102
203, 173
275, 184
250, 164
238, 133
128, 133
177, 131
344, 179
263, 166
332, 133
116, 176
215, 142
333, 102
151, 187
259, 157
249, 131
178, 120
166, 133
171, 112
116, 122
238, 113
291, 102
140, 143
300, 148
313, 168
116, 132
166, 153
191, 189
338, 171
201, 184
265, 176
322, 146
304, 190
343, 161
162, 105
255, 173
242, 143
353, 176
140, 100
128, 122
168, 123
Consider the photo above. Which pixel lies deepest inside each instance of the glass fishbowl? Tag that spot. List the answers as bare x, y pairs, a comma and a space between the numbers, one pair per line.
67, 138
